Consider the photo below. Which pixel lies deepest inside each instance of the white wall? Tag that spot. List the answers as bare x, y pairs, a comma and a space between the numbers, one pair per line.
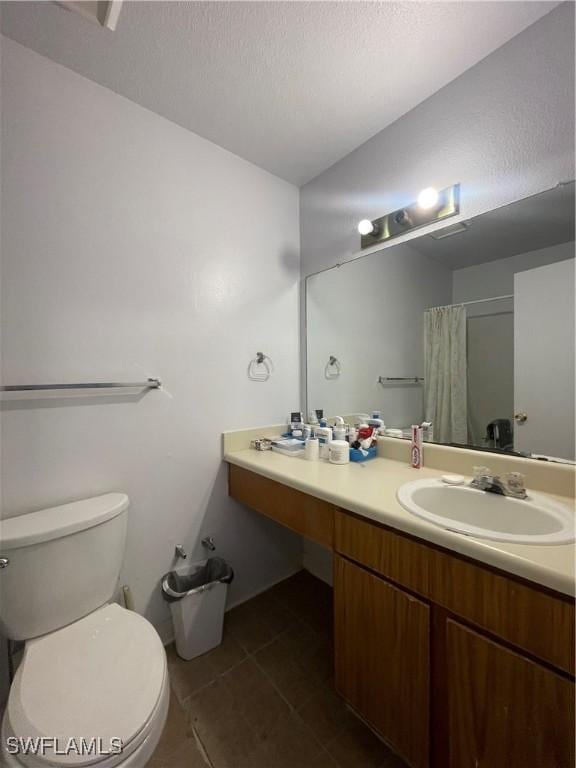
369, 314
133, 248
504, 129
490, 350
496, 278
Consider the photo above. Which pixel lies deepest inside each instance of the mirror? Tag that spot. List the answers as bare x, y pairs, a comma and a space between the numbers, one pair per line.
470, 327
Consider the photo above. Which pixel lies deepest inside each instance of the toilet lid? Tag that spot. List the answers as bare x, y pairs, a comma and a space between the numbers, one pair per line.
100, 678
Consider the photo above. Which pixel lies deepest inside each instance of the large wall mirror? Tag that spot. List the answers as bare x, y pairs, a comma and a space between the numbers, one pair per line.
470, 327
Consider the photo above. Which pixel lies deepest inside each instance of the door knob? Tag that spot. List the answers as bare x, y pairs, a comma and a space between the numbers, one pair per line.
521, 417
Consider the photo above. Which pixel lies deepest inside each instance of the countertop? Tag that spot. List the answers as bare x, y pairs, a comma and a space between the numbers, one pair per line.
369, 489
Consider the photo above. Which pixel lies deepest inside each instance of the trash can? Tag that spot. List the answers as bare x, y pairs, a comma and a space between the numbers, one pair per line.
197, 597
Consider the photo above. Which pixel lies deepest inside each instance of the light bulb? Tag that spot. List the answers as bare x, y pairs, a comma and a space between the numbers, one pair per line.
365, 227
428, 198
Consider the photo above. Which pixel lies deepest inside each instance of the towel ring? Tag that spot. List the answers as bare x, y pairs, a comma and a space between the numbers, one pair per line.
332, 369
260, 368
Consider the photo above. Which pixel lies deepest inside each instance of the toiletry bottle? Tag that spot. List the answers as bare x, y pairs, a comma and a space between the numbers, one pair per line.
338, 452
339, 429
416, 447
296, 424
324, 435
312, 449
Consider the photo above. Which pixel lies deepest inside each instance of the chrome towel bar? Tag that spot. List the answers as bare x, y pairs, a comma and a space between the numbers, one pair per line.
411, 379
148, 384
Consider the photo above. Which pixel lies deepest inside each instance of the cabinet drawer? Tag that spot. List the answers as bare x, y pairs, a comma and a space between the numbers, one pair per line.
298, 511
536, 620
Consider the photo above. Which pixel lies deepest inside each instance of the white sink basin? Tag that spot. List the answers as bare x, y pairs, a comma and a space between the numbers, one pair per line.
535, 520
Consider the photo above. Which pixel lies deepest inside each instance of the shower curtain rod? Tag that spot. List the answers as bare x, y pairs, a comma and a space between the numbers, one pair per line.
476, 301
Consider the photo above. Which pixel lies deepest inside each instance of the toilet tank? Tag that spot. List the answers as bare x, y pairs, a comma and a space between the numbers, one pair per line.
63, 563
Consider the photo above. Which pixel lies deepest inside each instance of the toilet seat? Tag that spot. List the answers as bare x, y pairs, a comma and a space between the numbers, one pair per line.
102, 677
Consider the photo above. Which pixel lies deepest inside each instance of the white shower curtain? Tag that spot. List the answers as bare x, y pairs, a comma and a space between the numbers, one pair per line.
445, 380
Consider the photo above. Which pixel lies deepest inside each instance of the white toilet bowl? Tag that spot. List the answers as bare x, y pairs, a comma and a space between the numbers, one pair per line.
103, 677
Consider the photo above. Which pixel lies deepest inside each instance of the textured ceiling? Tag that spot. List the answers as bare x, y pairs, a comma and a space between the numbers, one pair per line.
289, 86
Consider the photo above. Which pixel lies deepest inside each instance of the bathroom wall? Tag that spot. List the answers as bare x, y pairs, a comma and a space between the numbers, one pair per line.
496, 278
371, 311
504, 130
134, 248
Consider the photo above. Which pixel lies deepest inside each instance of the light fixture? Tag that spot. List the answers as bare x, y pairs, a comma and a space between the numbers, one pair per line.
433, 205
428, 198
365, 227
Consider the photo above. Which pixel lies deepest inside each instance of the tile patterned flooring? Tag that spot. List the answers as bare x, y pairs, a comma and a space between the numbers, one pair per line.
265, 697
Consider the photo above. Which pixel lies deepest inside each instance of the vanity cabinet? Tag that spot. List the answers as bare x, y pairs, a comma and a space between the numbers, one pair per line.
383, 657
453, 663
485, 662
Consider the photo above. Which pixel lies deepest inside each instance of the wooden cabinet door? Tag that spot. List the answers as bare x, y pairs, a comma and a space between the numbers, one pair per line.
382, 658
505, 711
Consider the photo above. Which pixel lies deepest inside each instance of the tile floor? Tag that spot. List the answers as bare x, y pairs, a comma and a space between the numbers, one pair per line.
265, 697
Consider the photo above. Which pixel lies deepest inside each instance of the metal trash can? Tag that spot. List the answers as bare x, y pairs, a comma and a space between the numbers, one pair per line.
197, 597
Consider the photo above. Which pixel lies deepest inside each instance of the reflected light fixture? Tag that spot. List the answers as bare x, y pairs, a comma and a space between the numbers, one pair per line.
428, 198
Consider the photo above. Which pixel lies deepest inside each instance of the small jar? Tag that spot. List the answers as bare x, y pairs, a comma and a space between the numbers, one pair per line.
338, 452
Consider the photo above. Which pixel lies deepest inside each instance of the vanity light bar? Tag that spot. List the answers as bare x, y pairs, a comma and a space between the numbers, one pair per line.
432, 206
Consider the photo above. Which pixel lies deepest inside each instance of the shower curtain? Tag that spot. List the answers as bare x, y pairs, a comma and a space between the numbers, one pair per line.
445, 380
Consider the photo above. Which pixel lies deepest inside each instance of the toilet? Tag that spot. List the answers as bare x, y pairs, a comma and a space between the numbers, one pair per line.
92, 688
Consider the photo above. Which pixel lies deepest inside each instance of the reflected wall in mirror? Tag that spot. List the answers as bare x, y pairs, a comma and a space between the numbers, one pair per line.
471, 328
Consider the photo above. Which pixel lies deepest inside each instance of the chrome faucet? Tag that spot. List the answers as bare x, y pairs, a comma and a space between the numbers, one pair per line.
512, 485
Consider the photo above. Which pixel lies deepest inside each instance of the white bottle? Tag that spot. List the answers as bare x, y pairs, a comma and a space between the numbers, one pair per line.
339, 431
324, 435
312, 449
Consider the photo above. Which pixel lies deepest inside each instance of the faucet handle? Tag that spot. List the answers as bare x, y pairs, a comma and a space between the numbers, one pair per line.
516, 484
483, 478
